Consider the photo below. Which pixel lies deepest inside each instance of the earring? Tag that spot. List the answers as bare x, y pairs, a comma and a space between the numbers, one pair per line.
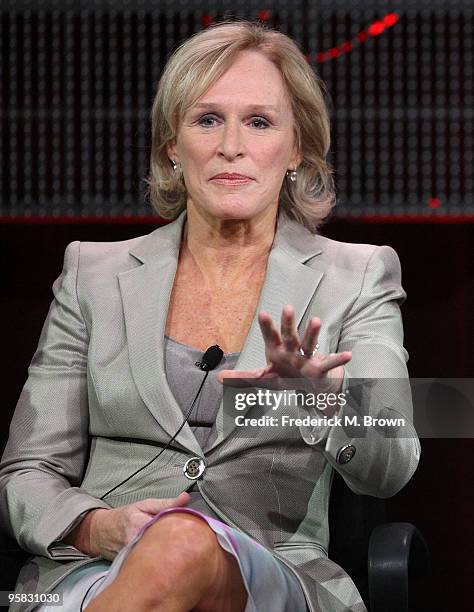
176, 166
291, 174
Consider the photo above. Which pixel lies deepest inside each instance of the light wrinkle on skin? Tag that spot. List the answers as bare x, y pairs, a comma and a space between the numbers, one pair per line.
239, 222
228, 254
229, 229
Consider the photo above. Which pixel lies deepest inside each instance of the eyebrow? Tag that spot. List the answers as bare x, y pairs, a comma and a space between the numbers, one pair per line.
250, 107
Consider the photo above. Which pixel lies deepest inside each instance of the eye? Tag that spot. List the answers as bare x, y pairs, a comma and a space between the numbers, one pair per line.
260, 120
204, 118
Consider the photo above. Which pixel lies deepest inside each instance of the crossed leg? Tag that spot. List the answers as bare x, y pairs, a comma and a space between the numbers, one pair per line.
177, 566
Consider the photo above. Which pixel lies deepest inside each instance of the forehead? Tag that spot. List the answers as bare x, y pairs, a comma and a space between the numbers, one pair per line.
252, 80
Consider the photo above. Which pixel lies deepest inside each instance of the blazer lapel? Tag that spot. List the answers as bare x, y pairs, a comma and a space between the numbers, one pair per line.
287, 281
146, 292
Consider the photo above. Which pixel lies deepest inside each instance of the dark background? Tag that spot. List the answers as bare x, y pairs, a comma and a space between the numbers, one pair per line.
437, 267
79, 77
77, 85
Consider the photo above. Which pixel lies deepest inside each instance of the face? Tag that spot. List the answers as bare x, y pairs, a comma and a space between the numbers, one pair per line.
243, 124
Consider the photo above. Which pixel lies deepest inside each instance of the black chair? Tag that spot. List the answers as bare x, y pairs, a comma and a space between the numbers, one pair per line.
389, 562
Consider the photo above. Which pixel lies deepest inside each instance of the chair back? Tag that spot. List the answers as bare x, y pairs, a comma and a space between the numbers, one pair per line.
352, 518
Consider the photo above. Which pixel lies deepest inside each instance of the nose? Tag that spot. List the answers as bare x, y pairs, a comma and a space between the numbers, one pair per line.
231, 142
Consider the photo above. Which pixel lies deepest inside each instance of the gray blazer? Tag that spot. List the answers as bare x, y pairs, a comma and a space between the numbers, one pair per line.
98, 375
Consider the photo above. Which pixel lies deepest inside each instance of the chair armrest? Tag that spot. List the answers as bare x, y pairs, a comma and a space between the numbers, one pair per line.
399, 561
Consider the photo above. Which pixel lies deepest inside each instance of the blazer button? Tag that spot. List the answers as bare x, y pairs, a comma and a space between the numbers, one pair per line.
193, 468
345, 453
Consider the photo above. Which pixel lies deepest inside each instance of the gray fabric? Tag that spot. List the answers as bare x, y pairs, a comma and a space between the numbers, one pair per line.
79, 586
97, 405
269, 583
184, 379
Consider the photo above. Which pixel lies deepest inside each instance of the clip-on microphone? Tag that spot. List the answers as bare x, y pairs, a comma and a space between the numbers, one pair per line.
211, 358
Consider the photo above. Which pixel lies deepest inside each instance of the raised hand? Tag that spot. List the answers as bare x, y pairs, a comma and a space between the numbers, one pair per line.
289, 357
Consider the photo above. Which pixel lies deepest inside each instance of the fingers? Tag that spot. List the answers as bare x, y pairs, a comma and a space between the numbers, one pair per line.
250, 374
247, 378
334, 360
283, 351
182, 499
289, 333
288, 336
153, 506
270, 334
310, 338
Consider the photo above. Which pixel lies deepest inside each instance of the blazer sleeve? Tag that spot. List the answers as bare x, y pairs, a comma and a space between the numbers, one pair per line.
47, 450
377, 386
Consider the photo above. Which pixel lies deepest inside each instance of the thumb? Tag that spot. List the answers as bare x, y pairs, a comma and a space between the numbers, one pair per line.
182, 499
248, 376
153, 506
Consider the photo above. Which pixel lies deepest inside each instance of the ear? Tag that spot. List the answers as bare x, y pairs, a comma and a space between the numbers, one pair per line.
295, 161
171, 150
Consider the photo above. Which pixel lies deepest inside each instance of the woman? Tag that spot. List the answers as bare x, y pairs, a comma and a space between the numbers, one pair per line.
220, 520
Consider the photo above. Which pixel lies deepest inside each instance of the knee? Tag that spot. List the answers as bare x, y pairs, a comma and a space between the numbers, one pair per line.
187, 539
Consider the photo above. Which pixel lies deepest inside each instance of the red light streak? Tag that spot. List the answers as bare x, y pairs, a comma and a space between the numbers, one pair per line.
206, 20
376, 28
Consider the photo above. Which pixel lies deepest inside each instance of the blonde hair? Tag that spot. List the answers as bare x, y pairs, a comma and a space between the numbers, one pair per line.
194, 67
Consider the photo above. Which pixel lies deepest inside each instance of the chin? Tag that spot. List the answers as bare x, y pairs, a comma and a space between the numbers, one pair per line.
231, 208
236, 214
238, 210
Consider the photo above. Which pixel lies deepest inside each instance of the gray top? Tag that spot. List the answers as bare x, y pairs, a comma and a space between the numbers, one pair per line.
184, 379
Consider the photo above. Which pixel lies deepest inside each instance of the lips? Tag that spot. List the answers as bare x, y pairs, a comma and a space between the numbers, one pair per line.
231, 176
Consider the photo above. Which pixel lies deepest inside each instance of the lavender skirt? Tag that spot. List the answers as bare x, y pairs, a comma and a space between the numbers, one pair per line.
270, 585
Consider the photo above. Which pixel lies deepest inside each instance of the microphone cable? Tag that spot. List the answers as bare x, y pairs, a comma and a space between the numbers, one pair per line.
210, 360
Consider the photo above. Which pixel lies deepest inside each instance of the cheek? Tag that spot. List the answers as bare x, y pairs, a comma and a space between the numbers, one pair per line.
193, 151
271, 155
274, 155
194, 156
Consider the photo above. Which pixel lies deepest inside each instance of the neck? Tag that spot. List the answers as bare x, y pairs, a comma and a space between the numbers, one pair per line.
227, 248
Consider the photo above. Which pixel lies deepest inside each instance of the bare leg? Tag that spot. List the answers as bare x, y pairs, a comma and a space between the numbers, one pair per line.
178, 566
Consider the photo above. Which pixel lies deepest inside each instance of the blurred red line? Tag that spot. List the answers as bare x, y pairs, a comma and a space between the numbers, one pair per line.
155, 220
390, 19
409, 218
434, 203
374, 29
77, 219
